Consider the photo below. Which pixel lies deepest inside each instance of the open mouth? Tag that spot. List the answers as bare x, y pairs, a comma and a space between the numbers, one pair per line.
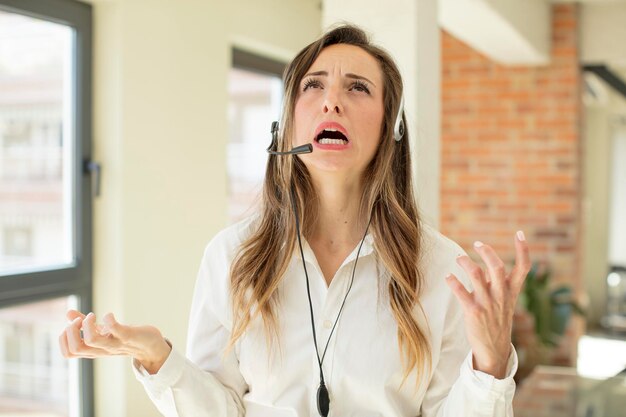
331, 137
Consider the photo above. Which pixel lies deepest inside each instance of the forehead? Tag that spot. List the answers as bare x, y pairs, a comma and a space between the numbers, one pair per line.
348, 59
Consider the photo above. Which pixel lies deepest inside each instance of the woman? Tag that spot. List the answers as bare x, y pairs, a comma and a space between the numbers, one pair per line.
334, 296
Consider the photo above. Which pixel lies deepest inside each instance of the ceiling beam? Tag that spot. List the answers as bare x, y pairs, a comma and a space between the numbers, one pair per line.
609, 77
509, 32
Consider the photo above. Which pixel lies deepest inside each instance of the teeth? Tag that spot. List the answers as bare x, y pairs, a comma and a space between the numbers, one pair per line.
327, 141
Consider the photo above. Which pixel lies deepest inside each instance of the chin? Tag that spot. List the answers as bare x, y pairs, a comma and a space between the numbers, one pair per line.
328, 165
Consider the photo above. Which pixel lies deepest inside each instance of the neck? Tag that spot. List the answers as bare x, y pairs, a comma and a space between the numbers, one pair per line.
338, 220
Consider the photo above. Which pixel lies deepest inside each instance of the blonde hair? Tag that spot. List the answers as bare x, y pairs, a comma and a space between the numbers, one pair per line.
388, 198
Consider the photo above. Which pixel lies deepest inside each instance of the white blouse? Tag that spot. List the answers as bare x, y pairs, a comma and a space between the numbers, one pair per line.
362, 368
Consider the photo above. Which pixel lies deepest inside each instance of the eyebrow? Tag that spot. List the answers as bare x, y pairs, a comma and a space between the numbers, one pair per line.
348, 75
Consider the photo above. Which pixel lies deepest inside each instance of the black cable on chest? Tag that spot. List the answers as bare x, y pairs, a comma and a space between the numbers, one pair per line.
323, 398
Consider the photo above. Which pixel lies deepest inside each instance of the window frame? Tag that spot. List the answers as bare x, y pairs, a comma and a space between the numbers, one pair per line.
47, 283
250, 61
243, 59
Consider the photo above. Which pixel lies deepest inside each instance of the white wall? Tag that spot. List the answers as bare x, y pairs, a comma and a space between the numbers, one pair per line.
160, 132
603, 195
596, 174
603, 30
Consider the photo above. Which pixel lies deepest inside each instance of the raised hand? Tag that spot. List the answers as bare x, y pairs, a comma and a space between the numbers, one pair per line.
488, 311
144, 343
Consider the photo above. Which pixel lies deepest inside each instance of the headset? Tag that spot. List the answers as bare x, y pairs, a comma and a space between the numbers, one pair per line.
398, 126
398, 134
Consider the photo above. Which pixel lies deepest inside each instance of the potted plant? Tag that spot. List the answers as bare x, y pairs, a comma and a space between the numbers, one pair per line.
541, 322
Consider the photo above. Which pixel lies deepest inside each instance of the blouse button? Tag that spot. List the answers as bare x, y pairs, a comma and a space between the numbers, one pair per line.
328, 324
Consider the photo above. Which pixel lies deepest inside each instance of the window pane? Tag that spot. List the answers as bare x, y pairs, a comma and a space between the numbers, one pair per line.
254, 102
35, 379
35, 144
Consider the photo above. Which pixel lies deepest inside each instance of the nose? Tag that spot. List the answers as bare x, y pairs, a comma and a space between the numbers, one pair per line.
332, 101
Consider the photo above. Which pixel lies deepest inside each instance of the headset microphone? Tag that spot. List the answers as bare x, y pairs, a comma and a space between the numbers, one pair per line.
306, 148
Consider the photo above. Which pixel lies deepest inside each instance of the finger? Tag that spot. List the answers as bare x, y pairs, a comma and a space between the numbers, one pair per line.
495, 266
74, 341
91, 335
77, 346
476, 275
72, 314
63, 345
465, 297
522, 261
113, 327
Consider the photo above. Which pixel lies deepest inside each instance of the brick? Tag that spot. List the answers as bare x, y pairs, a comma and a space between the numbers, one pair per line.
495, 84
517, 124
557, 208
457, 84
560, 24
532, 193
452, 108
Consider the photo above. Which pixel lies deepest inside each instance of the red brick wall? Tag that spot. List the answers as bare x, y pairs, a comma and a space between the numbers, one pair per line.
511, 150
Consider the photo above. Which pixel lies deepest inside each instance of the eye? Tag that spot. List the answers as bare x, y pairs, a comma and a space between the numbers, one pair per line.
311, 82
360, 86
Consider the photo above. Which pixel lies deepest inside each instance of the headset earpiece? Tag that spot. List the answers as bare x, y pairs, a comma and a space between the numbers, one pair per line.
398, 128
274, 131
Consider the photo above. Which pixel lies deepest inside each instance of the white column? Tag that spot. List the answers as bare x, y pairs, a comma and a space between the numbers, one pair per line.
408, 29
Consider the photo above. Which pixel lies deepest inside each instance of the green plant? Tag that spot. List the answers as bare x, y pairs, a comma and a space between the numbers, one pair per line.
551, 308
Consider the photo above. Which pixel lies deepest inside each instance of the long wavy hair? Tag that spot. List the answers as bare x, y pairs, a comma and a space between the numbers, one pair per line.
264, 256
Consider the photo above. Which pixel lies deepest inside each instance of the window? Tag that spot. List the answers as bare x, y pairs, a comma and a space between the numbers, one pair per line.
34, 376
45, 203
255, 96
18, 242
